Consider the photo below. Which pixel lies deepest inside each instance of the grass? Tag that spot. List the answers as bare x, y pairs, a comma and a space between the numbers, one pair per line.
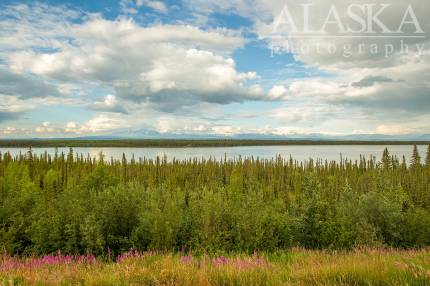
295, 267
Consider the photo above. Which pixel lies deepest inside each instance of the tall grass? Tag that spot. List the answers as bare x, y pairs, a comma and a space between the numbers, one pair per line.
296, 267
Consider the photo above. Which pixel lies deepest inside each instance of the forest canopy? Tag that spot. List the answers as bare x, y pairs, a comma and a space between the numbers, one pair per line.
77, 204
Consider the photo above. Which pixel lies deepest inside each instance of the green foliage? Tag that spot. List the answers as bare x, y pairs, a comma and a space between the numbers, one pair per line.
57, 143
386, 160
18, 196
416, 158
76, 205
428, 157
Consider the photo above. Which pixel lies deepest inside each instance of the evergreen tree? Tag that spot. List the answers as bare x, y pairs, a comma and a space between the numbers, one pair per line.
386, 159
124, 167
428, 157
404, 166
70, 156
241, 204
416, 159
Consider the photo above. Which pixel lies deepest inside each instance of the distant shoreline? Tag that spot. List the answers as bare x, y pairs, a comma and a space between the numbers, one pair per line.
181, 143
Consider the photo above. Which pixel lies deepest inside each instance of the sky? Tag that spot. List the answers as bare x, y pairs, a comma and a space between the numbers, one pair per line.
213, 68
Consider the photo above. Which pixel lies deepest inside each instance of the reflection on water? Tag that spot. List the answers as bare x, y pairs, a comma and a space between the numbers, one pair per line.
299, 153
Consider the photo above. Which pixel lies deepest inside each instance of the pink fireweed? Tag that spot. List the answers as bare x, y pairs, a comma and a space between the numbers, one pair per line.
133, 253
220, 261
127, 255
10, 263
187, 259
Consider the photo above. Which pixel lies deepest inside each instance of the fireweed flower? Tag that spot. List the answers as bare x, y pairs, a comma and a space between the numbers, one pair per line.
187, 259
219, 261
127, 255
133, 253
12, 263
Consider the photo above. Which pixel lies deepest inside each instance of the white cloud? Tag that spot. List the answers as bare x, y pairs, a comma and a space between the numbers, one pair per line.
204, 8
226, 130
170, 66
51, 54
102, 122
71, 126
398, 82
406, 76
37, 25
13, 104
12, 108
390, 129
25, 86
155, 5
45, 128
109, 104
278, 92
9, 130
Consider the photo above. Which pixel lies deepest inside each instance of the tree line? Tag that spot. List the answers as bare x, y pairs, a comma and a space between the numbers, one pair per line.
179, 143
78, 204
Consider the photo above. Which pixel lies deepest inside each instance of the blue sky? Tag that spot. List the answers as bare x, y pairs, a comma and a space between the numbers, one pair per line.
197, 67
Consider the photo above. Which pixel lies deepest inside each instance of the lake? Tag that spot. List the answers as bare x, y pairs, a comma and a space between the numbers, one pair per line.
299, 153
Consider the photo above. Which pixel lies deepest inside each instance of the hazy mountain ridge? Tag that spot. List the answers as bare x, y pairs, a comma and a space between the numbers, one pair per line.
151, 134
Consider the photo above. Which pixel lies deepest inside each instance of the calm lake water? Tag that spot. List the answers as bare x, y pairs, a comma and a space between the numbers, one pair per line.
299, 153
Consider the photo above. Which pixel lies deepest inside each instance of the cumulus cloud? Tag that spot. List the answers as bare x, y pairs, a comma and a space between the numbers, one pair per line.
71, 127
8, 116
168, 66
187, 77
25, 87
20, 93
45, 128
51, 51
278, 92
391, 99
102, 122
190, 126
155, 5
12, 108
335, 18
9, 130
109, 104
363, 74
371, 81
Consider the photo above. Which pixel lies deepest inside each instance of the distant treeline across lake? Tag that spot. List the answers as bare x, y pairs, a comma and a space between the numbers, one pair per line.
188, 143
300, 153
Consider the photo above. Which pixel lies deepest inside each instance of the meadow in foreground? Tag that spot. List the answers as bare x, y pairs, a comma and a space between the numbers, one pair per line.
295, 267
93, 211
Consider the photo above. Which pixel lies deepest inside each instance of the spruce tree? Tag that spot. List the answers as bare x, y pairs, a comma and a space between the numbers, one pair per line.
428, 157
124, 167
70, 156
416, 159
386, 160
404, 166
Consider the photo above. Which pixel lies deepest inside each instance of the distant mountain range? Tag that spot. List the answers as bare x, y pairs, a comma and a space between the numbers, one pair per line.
150, 134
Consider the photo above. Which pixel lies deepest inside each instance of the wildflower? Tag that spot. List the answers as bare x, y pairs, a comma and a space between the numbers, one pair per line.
127, 255
187, 259
219, 261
